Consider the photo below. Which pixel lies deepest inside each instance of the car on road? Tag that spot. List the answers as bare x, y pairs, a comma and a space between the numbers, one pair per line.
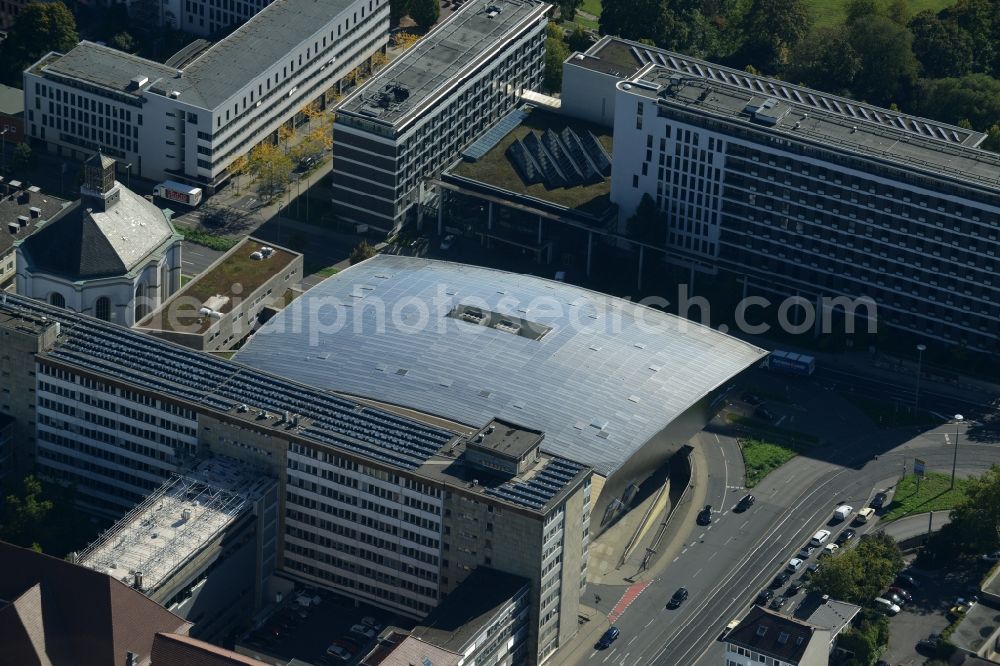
819, 538
609, 637
447, 242
764, 597
878, 501
751, 399
991, 557
729, 627
845, 536
811, 570
780, 579
794, 565
745, 503
829, 549
929, 644
764, 414
705, 515
902, 594
886, 606
794, 587
340, 653
842, 512
906, 581
679, 597
778, 603
806, 552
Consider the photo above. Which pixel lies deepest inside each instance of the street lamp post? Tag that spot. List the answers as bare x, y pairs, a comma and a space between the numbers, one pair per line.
954, 461
920, 359
3, 138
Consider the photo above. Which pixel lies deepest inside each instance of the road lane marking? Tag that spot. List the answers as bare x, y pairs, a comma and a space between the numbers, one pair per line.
650, 622
684, 551
633, 638
697, 572
745, 523
714, 553
677, 558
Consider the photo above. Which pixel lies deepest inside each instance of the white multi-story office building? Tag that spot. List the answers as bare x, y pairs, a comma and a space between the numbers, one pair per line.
412, 119
801, 193
191, 122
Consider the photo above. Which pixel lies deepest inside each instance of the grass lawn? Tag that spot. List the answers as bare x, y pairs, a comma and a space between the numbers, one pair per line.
793, 438
888, 415
211, 241
934, 495
831, 12
761, 458
327, 272
592, 7
185, 279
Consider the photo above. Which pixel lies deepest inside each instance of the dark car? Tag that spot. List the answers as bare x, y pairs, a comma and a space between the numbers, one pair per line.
751, 399
929, 644
609, 637
902, 594
780, 579
878, 501
347, 643
764, 414
705, 515
845, 536
806, 551
764, 597
679, 597
778, 603
745, 503
811, 570
307, 163
902, 580
794, 587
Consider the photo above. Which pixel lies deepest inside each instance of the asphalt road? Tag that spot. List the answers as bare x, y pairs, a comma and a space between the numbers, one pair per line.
196, 258
725, 565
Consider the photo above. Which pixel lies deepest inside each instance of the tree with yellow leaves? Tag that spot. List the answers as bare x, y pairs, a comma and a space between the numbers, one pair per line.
404, 40
285, 134
312, 111
379, 60
239, 167
272, 167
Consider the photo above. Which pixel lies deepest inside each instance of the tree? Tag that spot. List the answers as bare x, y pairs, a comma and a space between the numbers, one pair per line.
975, 97
425, 13
992, 141
379, 60
981, 20
403, 40
578, 40
272, 167
567, 9
862, 10
40, 27
556, 53
888, 67
881, 560
943, 48
361, 252
839, 576
397, 10
123, 42
825, 60
772, 29
23, 512
977, 517
285, 134
898, 11
649, 223
23, 157
239, 167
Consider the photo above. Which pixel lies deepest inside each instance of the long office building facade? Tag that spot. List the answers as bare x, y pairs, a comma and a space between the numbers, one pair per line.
405, 124
192, 121
801, 193
392, 508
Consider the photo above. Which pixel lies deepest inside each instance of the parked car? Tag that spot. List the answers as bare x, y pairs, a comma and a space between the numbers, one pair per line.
362, 630
991, 557
751, 399
780, 579
705, 515
878, 501
778, 603
929, 644
902, 594
845, 536
819, 538
729, 627
961, 607
679, 597
764, 597
764, 414
307, 163
886, 606
794, 587
906, 581
829, 549
894, 598
745, 503
447, 242
794, 565
349, 644
609, 637
811, 570
337, 651
842, 512
369, 621
306, 599
806, 551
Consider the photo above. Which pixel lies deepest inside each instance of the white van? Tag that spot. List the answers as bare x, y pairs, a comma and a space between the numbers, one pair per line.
864, 515
819, 538
843, 511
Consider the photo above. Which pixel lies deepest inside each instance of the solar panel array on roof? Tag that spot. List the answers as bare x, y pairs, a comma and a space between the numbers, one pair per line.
174, 371
494, 135
536, 492
564, 159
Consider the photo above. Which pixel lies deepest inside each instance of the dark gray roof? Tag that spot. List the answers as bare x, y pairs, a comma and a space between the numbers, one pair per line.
469, 37
218, 73
11, 208
608, 376
11, 100
773, 634
83, 245
469, 609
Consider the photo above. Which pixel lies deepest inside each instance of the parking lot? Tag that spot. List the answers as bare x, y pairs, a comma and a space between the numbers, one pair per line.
306, 632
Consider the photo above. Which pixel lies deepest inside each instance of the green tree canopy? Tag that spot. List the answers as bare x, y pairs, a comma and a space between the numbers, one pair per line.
981, 20
888, 67
425, 13
42, 516
23, 158
975, 97
556, 53
857, 10
649, 223
567, 8
361, 252
859, 574
397, 10
943, 48
123, 42
825, 60
977, 517
40, 27
772, 29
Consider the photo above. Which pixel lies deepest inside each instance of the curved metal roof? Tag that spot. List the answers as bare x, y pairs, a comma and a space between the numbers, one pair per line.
598, 374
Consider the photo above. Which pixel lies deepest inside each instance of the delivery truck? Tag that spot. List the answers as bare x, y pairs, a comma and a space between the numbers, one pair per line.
790, 362
179, 192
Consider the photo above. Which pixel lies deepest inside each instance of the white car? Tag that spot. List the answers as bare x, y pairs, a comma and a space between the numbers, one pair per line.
362, 630
340, 653
886, 606
369, 621
830, 549
991, 557
447, 242
794, 565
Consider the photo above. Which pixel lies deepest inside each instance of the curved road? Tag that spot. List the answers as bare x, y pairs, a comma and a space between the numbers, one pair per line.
725, 565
